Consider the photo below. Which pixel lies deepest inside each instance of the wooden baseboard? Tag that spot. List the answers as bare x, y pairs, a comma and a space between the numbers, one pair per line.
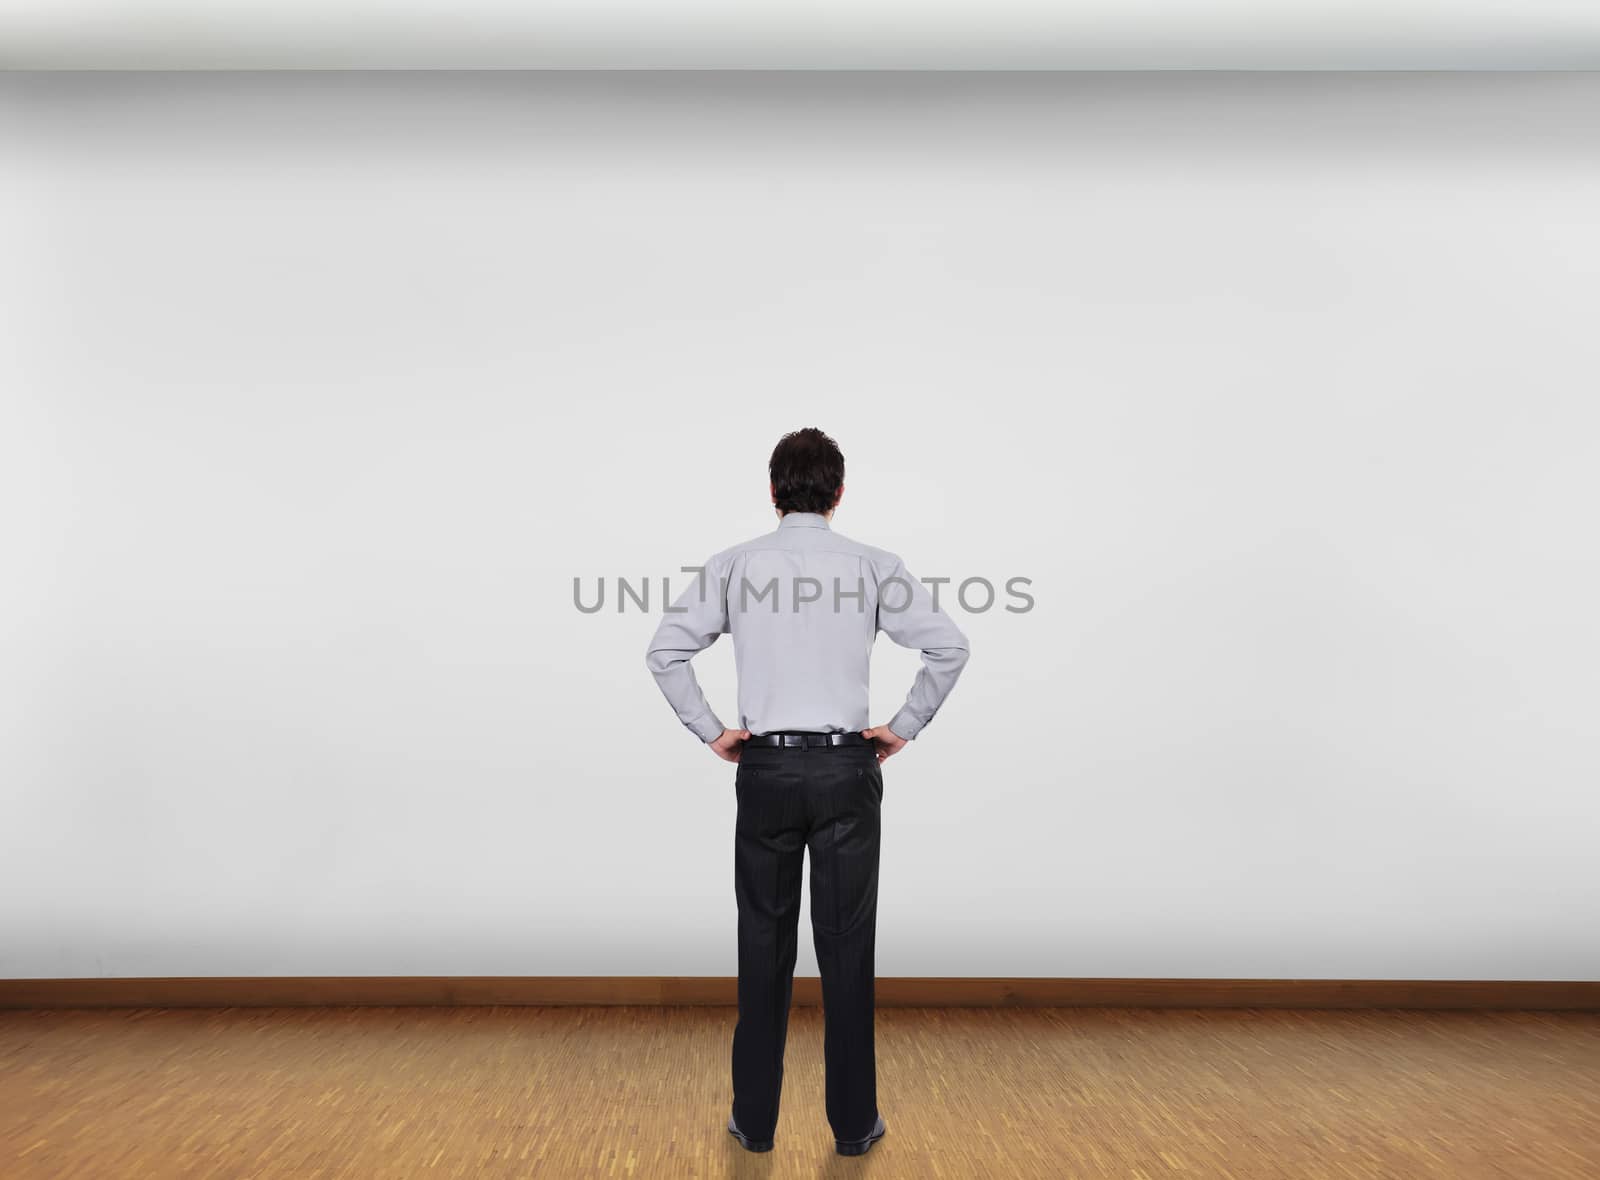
961, 992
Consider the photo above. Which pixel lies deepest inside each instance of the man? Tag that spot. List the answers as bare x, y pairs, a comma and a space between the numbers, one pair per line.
804, 605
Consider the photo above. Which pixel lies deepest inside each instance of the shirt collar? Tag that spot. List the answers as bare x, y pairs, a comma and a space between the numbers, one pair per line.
802, 520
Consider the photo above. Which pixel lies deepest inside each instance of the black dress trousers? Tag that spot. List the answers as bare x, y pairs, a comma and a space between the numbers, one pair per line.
827, 799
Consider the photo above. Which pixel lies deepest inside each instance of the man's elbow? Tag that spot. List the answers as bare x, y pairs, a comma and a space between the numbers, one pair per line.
954, 657
661, 658
656, 659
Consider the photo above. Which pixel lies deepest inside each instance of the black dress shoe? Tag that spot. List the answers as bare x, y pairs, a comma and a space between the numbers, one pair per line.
861, 1146
745, 1141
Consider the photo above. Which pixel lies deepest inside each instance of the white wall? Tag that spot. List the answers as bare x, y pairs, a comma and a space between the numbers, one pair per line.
320, 390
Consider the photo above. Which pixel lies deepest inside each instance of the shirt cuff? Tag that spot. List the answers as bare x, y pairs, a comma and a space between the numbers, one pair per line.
706, 727
904, 726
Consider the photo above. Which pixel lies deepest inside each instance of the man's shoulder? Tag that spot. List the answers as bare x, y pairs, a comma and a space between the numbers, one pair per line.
881, 558
723, 558
745, 546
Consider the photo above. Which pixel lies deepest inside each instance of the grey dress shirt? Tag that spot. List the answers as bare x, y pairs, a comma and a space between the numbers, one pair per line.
804, 605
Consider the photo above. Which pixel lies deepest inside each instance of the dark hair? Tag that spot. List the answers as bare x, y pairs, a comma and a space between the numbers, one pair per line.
807, 471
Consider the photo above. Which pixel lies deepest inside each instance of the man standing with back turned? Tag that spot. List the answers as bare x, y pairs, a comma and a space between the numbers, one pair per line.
804, 605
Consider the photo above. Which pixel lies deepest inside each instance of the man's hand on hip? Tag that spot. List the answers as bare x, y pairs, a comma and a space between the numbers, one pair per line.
728, 746
884, 740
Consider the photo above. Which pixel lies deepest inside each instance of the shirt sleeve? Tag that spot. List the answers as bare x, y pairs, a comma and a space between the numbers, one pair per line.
689, 625
922, 625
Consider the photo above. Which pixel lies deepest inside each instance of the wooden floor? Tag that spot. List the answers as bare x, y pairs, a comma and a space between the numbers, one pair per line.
643, 1092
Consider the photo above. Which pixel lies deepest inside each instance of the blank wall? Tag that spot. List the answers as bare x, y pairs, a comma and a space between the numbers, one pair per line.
320, 390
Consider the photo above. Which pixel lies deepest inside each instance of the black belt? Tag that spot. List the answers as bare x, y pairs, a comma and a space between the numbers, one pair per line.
806, 739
